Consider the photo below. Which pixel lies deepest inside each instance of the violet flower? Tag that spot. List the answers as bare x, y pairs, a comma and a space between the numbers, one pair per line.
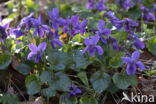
132, 63
154, 7
90, 4
92, 46
128, 23
74, 90
114, 20
100, 6
54, 40
147, 14
126, 4
3, 31
16, 32
138, 43
72, 26
26, 21
102, 32
37, 51
56, 21
39, 27
83, 26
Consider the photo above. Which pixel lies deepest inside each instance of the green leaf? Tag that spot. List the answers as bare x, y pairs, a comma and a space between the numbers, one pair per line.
133, 13
116, 61
151, 46
112, 88
12, 15
79, 60
5, 61
86, 100
65, 99
45, 76
32, 84
123, 81
85, 14
49, 92
60, 81
83, 77
65, 11
23, 68
59, 60
9, 99
100, 81
29, 3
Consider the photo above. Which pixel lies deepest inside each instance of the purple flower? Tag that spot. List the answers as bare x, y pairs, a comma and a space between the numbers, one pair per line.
115, 45
137, 0
74, 90
102, 32
54, 40
72, 26
126, 4
56, 21
3, 31
147, 14
83, 26
37, 51
39, 27
26, 22
100, 6
154, 7
114, 20
92, 46
90, 4
139, 44
128, 23
17, 32
132, 63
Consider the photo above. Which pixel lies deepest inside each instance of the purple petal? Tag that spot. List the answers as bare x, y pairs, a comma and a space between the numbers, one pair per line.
40, 19
0, 18
92, 52
101, 25
140, 65
154, 7
84, 23
151, 16
95, 39
33, 48
40, 32
138, 44
35, 32
30, 55
131, 69
99, 50
6, 26
126, 59
84, 51
75, 20
58, 42
45, 27
42, 46
77, 90
101, 6
37, 59
135, 55
106, 32
55, 12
